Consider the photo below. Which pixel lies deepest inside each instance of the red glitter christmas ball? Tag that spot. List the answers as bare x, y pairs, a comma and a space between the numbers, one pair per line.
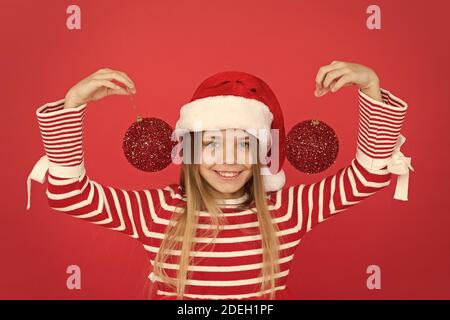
312, 146
147, 144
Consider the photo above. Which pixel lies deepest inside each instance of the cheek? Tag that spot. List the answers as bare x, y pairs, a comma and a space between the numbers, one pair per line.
203, 168
210, 156
245, 157
252, 156
249, 171
205, 171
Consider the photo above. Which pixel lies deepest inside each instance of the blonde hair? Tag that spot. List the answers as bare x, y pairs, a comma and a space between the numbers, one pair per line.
180, 232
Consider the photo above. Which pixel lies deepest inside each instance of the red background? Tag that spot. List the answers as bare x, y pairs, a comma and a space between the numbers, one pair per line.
168, 48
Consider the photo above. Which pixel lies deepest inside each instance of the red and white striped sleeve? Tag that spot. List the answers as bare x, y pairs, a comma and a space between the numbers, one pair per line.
71, 191
377, 157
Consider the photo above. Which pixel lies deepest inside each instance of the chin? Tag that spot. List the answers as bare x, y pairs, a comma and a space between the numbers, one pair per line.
227, 188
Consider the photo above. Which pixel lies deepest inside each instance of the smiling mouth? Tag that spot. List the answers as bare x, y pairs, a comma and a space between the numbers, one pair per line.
228, 175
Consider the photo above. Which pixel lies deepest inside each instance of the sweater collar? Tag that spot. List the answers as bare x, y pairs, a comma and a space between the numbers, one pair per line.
234, 201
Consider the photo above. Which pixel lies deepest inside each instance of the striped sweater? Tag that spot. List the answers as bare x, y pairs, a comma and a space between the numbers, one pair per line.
232, 269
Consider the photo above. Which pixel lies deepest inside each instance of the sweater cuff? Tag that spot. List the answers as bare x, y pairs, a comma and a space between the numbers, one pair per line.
379, 138
43, 165
62, 132
56, 108
380, 124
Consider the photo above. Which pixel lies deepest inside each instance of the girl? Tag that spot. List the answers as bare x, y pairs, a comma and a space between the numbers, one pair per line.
229, 229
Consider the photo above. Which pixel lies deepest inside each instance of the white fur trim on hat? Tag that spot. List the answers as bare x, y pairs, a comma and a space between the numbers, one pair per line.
273, 182
224, 112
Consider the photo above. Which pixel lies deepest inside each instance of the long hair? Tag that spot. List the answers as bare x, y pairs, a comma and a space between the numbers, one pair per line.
181, 231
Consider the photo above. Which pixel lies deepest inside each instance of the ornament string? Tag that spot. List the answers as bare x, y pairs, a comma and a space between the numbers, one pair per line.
131, 96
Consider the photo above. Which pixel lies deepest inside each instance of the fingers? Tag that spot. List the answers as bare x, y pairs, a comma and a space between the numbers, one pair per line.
111, 87
106, 83
120, 91
323, 72
115, 76
345, 80
108, 74
333, 75
324, 90
127, 77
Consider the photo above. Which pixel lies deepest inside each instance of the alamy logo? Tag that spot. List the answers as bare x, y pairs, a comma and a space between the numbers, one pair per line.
74, 280
374, 20
73, 21
374, 280
227, 146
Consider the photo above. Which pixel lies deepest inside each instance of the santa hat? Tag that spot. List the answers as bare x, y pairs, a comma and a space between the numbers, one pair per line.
239, 100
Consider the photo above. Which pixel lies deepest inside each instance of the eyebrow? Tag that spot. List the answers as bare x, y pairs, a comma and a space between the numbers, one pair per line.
246, 138
211, 137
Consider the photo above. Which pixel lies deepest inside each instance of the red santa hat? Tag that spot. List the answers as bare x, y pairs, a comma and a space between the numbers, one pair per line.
239, 100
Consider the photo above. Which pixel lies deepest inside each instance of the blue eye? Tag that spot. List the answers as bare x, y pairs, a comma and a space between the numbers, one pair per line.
214, 144
244, 144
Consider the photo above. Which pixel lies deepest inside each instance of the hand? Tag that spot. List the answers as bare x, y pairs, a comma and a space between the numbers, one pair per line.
340, 74
97, 86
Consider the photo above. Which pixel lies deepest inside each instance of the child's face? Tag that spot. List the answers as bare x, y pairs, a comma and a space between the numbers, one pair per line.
226, 162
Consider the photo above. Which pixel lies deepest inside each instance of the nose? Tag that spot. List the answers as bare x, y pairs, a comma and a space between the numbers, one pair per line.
230, 152
235, 154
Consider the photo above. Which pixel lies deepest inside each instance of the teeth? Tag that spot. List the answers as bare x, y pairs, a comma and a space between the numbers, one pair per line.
227, 173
